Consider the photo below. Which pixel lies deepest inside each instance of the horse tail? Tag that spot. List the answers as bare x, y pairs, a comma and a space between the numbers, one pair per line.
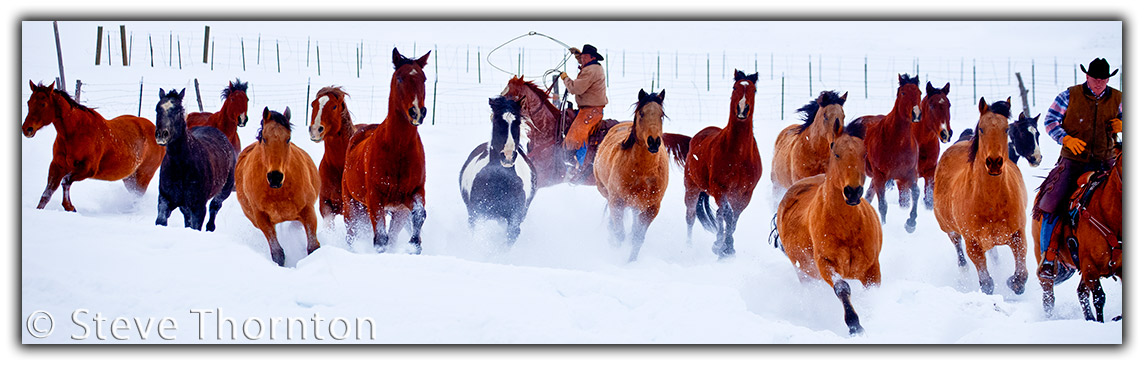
703, 212
857, 128
774, 236
965, 135
678, 145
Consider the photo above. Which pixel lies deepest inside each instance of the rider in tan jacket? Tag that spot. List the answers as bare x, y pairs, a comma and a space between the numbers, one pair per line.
591, 97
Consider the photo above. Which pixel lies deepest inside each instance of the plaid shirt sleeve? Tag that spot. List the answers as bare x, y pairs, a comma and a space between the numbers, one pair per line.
1056, 115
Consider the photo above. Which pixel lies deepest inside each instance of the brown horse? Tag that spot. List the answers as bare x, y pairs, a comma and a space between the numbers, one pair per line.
385, 168
545, 128
723, 163
802, 150
88, 146
1097, 239
828, 231
330, 122
932, 131
276, 182
632, 171
979, 195
230, 117
892, 153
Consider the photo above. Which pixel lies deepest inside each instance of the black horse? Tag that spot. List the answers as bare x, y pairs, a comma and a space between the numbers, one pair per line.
494, 184
199, 165
1024, 140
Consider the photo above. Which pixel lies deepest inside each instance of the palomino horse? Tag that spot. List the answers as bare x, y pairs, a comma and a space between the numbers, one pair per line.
330, 122
802, 150
1094, 246
891, 152
88, 146
932, 131
497, 180
276, 182
632, 171
723, 163
828, 231
979, 195
199, 165
1025, 140
385, 167
229, 118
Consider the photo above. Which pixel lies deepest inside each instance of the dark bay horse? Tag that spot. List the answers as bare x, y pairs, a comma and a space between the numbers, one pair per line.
332, 124
230, 117
385, 168
828, 231
932, 131
891, 152
979, 196
276, 182
632, 169
497, 180
88, 146
1095, 246
1025, 140
198, 167
802, 150
723, 163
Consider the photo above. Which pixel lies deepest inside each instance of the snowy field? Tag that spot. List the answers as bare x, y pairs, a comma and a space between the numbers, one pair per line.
562, 282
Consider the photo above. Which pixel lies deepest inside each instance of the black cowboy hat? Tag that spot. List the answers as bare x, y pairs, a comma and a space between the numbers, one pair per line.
591, 50
1098, 69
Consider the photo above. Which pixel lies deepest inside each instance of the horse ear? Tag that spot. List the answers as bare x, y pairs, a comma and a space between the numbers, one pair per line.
1009, 100
754, 78
424, 60
1022, 116
844, 95
945, 90
642, 95
265, 113
739, 75
286, 114
31, 84
492, 102
662, 94
162, 93
396, 56
1035, 118
982, 107
930, 89
182, 93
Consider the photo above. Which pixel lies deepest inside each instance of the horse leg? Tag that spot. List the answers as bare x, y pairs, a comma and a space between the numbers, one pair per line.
1098, 300
616, 225
326, 208
912, 222
956, 239
929, 192
164, 209
310, 224
690, 200
419, 215
879, 185
1047, 297
67, 183
1082, 291
720, 246
640, 223
55, 175
513, 228
1020, 273
262, 221
354, 214
377, 220
842, 290
732, 219
197, 215
977, 255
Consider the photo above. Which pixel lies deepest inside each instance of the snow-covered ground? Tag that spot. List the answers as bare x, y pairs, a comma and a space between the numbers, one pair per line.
562, 282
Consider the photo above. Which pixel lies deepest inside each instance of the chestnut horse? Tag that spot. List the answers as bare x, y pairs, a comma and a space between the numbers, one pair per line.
1094, 246
545, 133
385, 168
276, 182
723, 163
828, 231
932, 131
802, 150
632, 171
331, 123
88, 146
979, 195
892, 153
230, 117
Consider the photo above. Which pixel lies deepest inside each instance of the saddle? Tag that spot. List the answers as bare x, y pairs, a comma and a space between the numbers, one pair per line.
1087, 184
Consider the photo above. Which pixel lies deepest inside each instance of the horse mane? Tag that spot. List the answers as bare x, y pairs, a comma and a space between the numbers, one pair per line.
236, 86
856, 128
71, 102
1000, 107
810, 110
905, 79
280, 120
347, 121
631, 141
540, 128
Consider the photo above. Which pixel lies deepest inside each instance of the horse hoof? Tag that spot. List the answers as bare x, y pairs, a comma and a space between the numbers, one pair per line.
210, 226
987, 286
961, 262
857, 330
911, 225
1118, 318
381, 248
416, 243
1017, 286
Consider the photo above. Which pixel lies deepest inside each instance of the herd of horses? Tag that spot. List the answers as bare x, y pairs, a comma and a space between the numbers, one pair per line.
823, 223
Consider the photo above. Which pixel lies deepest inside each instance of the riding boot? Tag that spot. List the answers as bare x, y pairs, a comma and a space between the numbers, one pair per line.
1048, 247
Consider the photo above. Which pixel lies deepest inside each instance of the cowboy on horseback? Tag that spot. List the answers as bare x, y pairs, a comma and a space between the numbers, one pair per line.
591, 97
1085, 119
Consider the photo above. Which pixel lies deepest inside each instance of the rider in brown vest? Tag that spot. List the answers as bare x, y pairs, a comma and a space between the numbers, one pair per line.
1085, 119
591, 97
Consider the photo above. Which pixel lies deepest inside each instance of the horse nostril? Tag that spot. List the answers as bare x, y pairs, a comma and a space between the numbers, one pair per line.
275, 179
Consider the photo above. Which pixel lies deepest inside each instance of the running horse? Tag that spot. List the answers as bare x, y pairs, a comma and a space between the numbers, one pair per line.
276, 181
1094, 245
723, 163
385, 168
932, 131
1025, 140
828, 231
88, 146
803, 150
891, 151
230, 117
979, 197
198, 167
632, 170
544, 127
331, 124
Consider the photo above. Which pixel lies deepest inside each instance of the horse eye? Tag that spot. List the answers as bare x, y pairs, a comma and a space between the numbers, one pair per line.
838, 156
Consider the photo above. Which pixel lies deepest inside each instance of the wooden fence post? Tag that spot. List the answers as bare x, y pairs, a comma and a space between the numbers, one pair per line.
151, 48
1024, 94
98, 43
60, 56
78, 88
242, 48
206, 43
123, 42
433, 121
278, 56
139, 113
198, 95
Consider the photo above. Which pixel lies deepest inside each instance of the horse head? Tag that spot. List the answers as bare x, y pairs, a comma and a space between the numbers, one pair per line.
935, 112
274, 137
909, 98
171, 119
42, 109
846, 169
648, 123
407, 87
1024, 139
743, 95
235, 101
830, 118
506, 129
329, 114
990, 139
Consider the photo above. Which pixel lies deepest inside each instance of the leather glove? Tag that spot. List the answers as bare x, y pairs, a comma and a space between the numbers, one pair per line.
563, 75
1073, 144
1117, 125
574, 50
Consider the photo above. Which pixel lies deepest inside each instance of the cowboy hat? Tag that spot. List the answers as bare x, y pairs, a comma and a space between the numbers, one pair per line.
1098, 69
591, 50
